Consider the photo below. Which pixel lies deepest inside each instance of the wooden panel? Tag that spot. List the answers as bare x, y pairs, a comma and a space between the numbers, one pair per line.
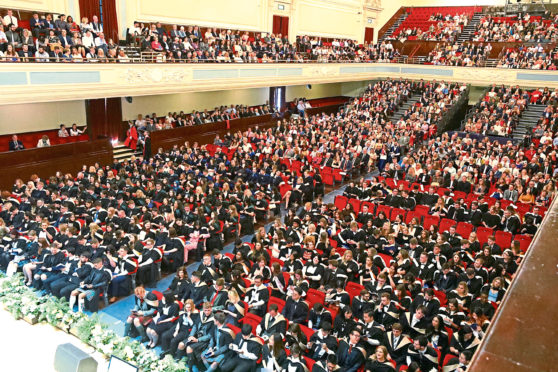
202, 134
45, 162
522, 335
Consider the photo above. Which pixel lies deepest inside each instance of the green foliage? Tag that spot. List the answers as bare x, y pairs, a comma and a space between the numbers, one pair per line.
21, 301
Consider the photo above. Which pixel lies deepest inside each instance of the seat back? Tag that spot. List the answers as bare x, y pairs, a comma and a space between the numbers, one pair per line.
446, 223
279, 302
314, 296
429, 221
341, 201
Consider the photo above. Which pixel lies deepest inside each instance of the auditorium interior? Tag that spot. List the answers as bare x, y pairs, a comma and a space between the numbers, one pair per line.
279, 185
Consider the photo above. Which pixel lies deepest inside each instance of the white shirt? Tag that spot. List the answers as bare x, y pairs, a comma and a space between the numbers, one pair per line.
87, 41
9, 20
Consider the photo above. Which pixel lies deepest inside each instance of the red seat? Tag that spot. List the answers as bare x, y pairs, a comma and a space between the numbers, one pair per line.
273, 260
356, 204
441, 295
483, 233
371, 206
279, 302
251, 319
503, 239
398, 212
337, 175
340, 202
385, 209
446, 223
464, 229
328, 179
524, 242
429, 221
459, 195
387, 258
422, 210
411, 215
314, 296
353, 289
233, 328
309, 362
307, 331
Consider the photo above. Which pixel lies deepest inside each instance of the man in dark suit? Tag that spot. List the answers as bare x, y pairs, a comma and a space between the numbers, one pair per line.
296, 310
65, 39
16, 144
351, 355
37, 25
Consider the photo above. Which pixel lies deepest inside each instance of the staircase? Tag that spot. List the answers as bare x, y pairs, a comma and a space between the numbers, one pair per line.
132, 52
469, 30
491, 62
528, 121
406, 106
123, 153
393, 27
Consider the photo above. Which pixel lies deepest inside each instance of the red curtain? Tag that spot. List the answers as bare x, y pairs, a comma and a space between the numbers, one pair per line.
281, 25
104, 117
110, 20
89, 8
369, 35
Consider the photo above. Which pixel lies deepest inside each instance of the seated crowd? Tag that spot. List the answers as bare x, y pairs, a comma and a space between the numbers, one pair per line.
60, 40
498, 113
529, 28
533, 57
404, 270
43, 139
439, 27
467, 54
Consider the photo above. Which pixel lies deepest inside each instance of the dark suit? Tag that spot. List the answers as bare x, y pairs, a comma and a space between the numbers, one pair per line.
14, 146
351, 357
296, 311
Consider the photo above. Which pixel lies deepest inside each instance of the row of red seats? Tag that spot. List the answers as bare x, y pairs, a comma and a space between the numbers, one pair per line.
464, 229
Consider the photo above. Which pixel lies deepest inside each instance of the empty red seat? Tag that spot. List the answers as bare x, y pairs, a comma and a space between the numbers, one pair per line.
503, 239
341, 201
385, 209
314, 296
464, 229
353, 289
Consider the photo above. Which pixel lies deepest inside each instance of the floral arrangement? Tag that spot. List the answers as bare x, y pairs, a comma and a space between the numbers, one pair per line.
23, 302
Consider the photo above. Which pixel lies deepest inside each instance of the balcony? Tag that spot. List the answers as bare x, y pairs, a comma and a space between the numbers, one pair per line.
51, 82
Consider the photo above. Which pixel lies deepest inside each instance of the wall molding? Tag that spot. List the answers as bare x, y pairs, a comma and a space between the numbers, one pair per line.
119, 80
